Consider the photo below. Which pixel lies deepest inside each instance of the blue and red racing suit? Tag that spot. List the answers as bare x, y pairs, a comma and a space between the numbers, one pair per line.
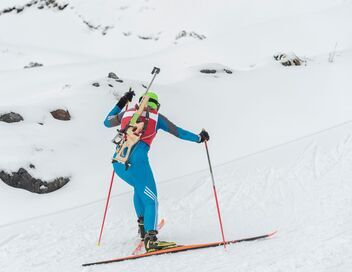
139, 175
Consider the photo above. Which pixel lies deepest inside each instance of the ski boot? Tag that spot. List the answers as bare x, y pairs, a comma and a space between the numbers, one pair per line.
141, 230
152, 243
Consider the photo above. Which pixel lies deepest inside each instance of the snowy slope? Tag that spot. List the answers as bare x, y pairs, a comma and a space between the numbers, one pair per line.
260, 105
301, 189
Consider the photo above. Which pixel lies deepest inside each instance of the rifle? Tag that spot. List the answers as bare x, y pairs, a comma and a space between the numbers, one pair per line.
131, 135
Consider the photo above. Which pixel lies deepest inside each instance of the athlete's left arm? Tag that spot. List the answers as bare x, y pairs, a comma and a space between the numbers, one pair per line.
166, 125
115, 115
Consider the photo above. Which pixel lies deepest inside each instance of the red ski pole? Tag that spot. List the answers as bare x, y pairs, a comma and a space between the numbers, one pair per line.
106, 207
108, 199
215, 194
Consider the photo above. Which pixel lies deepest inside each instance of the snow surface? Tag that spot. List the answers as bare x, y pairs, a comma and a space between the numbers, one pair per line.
281, 141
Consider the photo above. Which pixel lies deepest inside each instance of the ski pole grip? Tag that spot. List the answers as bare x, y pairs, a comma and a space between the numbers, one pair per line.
156, 70
205, 141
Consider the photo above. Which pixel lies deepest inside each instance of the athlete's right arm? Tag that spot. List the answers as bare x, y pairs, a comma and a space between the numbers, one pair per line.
114, 117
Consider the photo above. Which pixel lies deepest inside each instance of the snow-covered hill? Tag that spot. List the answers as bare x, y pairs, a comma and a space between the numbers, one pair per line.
300, 187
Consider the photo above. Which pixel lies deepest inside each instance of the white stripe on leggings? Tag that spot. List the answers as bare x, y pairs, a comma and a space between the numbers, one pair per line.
151, 195
150, 191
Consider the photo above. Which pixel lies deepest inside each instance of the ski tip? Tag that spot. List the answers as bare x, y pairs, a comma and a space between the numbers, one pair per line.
272, 234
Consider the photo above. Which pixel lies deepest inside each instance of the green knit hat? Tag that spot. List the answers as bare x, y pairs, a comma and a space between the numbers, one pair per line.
153, 101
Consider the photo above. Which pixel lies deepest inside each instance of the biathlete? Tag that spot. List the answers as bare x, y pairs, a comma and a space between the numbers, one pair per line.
139, 173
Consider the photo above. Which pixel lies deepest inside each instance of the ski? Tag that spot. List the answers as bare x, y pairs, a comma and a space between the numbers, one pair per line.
138, 248
181, 248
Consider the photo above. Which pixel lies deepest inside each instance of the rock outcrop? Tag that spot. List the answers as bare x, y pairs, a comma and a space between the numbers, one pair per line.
23, 180
11, 117
61, 114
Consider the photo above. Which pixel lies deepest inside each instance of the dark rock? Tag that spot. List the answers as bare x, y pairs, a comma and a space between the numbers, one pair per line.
208, 71
32, 166
216, 70
110, 85
33, 64
289, 59
22, 179
8, 10
279, 56
11, 117
91, 26
148, 38
40, 123
96, 84
191, 34
63, 7
62, 115
182, 34
106, 29
57, 184
297, 62
41, 4
113, 75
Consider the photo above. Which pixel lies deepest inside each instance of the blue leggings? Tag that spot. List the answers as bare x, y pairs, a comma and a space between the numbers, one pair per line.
140, 176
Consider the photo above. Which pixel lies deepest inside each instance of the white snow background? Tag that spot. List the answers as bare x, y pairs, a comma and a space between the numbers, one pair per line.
281, 142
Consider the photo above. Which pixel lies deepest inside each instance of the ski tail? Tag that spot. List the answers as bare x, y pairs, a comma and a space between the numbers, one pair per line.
182, 248
140, 245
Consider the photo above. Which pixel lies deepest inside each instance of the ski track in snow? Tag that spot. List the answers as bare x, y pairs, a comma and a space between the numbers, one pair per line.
7, 240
